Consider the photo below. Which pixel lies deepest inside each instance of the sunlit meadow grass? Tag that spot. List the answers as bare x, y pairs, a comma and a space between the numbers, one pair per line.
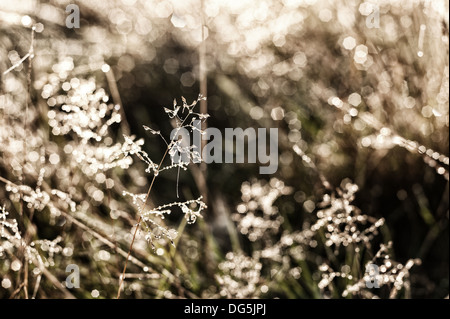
87, 176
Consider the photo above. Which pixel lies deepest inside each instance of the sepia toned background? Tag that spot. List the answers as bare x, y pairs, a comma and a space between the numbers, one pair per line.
363, 120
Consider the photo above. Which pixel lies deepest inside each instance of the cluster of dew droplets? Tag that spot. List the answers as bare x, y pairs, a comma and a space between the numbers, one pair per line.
240, 276
191, 209
257, 215
388, 272
40, 253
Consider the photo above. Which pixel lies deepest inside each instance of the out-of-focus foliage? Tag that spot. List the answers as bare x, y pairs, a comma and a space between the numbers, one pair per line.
363, 173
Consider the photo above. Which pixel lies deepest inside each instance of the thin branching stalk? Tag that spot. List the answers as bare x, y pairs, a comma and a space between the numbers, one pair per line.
138, 223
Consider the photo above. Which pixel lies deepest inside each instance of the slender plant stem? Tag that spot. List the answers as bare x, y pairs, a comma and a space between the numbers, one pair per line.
122, 277
203, 86
117, 100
